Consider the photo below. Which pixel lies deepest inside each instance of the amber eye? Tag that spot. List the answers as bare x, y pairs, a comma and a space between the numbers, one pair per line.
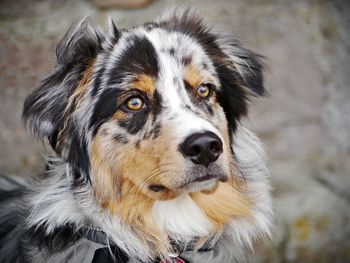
134, 103
203, 90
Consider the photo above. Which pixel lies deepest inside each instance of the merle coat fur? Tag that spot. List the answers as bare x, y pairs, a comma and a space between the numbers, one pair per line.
115, 109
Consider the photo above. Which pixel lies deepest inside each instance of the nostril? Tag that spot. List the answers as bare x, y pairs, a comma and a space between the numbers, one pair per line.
214, 147
194, 151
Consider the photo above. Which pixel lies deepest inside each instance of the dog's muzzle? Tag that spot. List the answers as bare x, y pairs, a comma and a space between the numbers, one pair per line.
202, 149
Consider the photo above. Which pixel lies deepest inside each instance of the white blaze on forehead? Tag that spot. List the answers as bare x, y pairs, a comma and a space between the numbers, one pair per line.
174, 95
187, 123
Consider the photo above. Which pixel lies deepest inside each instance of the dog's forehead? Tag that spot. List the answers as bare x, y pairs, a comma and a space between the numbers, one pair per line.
178, 46
158, 53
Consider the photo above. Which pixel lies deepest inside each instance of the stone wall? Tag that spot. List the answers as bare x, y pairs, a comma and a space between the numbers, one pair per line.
304, 123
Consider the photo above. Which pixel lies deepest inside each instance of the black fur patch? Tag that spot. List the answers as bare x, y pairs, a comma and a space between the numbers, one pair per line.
150, 25
120, 138
101, 71
60, 238
154, 132
116, 34
232, 96
104, 108
103, 255
140, 57
98, 80
157, 104
187, 86
78, 156
172, 51
136, 121
186, 60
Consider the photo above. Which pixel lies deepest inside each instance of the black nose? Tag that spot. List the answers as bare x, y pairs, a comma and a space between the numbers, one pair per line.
202, 148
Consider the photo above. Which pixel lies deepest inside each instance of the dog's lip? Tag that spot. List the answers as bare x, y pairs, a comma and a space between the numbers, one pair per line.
204, 178
209, 176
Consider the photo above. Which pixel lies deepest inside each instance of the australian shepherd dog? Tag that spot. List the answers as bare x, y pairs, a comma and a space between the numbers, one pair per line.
151, 162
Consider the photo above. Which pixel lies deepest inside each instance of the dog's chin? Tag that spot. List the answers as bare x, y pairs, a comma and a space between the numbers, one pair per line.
207, 186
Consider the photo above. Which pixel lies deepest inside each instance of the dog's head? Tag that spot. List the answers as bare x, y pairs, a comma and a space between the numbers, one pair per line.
148, 113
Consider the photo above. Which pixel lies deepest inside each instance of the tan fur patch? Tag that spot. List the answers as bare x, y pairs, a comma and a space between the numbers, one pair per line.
224, 204
134, 208
149, 165
119, 115
104, 179
193, 76
144, 83
83, 84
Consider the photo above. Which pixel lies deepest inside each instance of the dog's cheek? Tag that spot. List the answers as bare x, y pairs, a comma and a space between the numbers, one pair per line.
119, 175
153, 161
120, 160
114, 182
108, 147
104, 175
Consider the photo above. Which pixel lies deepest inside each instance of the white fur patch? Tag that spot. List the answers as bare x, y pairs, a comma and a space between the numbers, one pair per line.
199, 186
181, 217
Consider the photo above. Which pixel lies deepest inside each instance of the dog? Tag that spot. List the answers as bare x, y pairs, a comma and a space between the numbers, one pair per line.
151, 161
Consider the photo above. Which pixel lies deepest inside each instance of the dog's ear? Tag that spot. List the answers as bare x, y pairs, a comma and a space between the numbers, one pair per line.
241, 75
247, 65
43, 111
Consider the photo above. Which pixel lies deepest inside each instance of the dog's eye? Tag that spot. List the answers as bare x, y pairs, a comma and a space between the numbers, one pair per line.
134, 103
204, 90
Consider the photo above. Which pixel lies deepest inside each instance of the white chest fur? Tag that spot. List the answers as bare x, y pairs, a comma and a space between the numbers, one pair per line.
181, 218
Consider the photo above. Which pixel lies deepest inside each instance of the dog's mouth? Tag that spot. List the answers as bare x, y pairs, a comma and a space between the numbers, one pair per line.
205, 183
198, 179
209, 177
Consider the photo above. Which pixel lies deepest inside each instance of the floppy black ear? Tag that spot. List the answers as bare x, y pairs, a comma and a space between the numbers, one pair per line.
43, 111
247, 65
241, 75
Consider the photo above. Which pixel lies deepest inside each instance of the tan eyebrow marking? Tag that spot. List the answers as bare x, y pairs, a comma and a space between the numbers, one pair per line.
193, 76
144, 83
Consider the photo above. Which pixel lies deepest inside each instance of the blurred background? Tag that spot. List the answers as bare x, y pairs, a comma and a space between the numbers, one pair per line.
304, 123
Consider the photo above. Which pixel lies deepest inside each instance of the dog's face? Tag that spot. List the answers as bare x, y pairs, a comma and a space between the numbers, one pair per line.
146, 113
157, 122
